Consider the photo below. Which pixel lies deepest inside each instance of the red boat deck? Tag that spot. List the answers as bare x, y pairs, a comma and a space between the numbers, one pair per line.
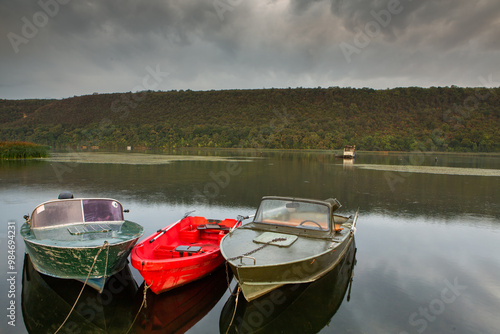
169, 252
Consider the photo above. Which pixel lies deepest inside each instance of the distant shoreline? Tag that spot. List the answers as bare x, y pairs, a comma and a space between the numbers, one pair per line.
263, 150
439, 119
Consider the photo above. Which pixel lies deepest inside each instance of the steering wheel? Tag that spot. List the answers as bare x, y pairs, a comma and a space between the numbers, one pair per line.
310, 221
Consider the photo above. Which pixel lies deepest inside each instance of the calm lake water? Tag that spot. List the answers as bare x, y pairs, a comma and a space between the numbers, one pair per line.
426, 259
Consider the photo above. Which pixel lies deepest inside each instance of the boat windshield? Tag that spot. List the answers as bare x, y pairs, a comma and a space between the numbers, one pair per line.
294, 213
76, 211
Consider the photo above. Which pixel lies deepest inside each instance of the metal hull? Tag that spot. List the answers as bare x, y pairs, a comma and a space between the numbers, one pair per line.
57, 258
305, 261
293, 308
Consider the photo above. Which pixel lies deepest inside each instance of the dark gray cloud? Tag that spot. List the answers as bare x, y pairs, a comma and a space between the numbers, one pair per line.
59, 48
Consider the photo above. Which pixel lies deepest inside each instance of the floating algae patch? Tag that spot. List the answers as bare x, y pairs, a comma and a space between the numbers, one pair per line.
433, 170
132, 158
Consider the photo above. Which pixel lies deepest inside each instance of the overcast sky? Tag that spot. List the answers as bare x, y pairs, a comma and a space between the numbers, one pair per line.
61, 48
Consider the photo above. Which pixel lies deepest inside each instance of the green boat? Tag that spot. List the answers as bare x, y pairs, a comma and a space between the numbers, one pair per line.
289, 241
86, 239
293, 308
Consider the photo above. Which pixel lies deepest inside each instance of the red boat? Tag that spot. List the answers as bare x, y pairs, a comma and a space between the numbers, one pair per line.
182, 252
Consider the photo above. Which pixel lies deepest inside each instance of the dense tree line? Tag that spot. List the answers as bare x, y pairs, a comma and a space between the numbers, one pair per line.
401, 119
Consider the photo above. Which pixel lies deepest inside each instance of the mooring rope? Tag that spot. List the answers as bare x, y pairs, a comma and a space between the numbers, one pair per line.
257, 249
227, 280
144, 303
85, 283
235, 307
239, 287
106, 267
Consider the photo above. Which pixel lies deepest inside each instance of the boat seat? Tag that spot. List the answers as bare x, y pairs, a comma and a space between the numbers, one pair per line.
213, 227
189, 250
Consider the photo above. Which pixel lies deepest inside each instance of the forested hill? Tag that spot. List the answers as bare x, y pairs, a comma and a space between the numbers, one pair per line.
402, 119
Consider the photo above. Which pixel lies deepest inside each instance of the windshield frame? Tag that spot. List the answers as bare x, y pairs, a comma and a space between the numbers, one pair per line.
76, 211
288, 212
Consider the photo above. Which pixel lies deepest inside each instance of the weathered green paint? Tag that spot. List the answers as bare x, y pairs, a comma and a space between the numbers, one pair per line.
57, 252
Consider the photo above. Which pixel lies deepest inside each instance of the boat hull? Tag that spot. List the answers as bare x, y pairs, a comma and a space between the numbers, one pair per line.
272, 267
161, 278
293, 308
164, 267
60, 260
256, 282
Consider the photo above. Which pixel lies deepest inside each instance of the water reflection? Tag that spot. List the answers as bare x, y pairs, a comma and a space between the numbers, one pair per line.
412, 239
289, 174
293, 308
178, 310
46, 301
348, 164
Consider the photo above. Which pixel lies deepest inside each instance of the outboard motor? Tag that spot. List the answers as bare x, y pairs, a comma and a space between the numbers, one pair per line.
65, 195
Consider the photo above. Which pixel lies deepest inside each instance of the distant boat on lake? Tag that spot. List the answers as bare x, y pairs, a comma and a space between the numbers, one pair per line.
349, 152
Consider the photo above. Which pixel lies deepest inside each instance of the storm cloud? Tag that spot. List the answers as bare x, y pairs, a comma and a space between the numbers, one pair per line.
61, 48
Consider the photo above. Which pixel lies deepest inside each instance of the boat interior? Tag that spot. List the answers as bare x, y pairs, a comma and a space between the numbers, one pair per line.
192, 236
309, 221
303, 220
304, 214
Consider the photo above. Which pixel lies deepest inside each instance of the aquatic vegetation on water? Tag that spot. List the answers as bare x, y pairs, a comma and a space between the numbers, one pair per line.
22, 150
433, 169
132, 158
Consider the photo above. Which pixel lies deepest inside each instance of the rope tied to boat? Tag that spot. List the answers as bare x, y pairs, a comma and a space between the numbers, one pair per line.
107, 256
246, 254
144, 303
106, 244
235, 307
257, 249
228, 281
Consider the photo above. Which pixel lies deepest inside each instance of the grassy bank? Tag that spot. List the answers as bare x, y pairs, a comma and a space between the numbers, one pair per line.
22, 150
